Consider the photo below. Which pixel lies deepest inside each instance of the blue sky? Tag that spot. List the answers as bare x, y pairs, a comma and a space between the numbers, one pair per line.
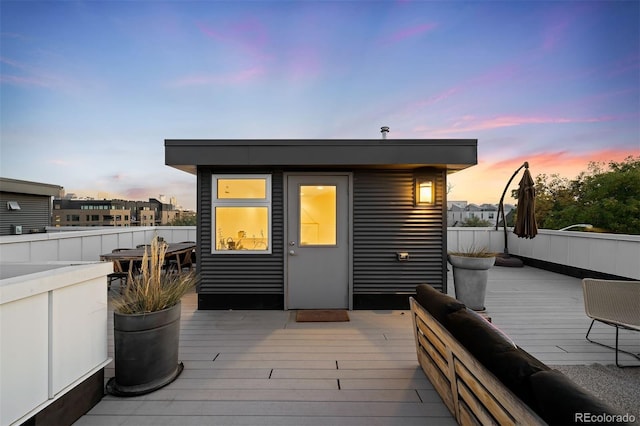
90, 89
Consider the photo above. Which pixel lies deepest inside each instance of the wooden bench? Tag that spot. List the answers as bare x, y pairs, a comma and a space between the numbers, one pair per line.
472, 394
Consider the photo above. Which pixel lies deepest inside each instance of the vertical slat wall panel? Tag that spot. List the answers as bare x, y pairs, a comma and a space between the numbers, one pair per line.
242, 273
385, 221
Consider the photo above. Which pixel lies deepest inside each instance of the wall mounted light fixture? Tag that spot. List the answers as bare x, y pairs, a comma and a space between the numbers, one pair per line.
424, 191
13, 205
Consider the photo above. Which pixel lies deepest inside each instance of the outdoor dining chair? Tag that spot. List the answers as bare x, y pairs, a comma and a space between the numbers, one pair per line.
615, 303
187, 259
122, 275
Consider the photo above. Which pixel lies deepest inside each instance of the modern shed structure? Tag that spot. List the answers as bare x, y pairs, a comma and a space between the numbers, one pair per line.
319, 224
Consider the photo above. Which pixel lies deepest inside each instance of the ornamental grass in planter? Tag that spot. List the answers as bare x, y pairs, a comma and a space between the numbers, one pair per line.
146, 326
470, 275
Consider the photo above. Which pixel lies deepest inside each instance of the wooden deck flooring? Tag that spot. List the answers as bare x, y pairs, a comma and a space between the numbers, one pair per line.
263, 368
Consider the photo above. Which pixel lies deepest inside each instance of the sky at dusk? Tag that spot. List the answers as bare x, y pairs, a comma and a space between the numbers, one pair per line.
91, 89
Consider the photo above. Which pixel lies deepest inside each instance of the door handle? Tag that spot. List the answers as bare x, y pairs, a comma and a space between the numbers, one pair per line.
292, 252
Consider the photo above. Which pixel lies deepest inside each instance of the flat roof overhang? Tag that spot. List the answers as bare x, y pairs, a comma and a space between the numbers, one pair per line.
28, 187
449, 154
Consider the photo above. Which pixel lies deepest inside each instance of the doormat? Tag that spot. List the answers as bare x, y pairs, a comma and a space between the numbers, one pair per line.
322, 315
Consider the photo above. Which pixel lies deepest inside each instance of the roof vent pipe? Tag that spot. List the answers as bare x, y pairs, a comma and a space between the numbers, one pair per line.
384, 130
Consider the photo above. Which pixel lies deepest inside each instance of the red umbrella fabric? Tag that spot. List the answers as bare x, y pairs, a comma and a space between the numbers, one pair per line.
526, 226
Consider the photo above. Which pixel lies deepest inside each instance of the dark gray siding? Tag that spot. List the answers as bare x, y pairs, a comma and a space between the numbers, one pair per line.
237, 274
385, 221
34, 214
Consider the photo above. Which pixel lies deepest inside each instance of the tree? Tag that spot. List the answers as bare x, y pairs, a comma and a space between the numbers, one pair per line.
611, 200
475, 221
555, 201
608, 199
184, 220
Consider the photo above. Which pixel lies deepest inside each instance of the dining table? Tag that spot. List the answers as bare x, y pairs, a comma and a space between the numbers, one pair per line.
124, 260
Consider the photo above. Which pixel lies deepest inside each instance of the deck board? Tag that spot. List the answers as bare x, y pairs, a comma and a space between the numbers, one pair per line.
263, 368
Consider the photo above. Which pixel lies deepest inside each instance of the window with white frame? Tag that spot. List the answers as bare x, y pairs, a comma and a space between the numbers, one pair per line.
241, 213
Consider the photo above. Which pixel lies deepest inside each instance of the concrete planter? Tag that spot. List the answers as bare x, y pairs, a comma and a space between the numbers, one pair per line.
470, 275
145, 351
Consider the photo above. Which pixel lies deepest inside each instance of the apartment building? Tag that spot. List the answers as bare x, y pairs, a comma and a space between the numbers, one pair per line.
89, 212
164, 212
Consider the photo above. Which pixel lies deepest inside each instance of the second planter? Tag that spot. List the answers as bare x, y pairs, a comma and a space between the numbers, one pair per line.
470, 276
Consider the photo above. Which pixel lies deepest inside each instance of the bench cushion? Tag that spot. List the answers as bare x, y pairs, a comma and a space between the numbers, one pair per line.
558, 399
438, 304
496, 351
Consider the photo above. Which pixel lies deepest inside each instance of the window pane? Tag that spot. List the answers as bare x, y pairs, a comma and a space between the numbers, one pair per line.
242, 188
317, 215
242, 228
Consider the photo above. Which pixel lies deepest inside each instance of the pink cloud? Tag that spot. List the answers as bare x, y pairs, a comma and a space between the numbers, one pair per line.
595, 100
494, 175
471, 123
301, 63
559, 21
566, 163
574, 161
240, 77
139, 193
496, 75
438, 97
410, 32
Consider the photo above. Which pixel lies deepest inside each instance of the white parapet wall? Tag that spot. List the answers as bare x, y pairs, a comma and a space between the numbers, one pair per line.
615, 254
87, 244
53, 332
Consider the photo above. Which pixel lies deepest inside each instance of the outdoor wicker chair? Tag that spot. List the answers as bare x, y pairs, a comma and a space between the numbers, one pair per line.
615, 303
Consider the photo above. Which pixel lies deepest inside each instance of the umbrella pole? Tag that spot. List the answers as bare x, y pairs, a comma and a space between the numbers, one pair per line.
501, 208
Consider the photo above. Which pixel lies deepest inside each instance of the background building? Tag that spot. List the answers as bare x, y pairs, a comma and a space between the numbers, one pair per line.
90, 212
25, 207
459, 212
165, 213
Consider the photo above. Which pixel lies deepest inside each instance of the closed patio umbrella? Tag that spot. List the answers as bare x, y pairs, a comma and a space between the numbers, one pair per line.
526, 226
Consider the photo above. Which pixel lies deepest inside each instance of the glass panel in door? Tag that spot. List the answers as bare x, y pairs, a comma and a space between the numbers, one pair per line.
318, 215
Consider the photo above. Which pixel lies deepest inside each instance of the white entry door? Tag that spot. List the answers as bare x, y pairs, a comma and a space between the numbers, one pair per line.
318, 252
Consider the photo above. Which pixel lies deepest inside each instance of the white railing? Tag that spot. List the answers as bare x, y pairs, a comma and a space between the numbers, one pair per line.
616, 254
53, 333
86, 244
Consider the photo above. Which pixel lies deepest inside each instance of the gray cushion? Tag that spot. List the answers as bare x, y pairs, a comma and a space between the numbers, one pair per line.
496, 351
438, 304
558, 399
